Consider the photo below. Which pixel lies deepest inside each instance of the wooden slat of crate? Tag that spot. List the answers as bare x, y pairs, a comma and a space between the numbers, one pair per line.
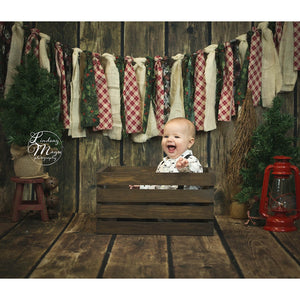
165, 196
132, 169
176, 212
128, 169
152, 178
125, 169
159, 228
154, 211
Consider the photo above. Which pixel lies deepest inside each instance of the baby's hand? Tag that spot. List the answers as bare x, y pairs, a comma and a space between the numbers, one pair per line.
133, 187
182, 163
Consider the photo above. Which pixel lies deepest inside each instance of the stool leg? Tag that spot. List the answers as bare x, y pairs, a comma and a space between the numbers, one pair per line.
41, 200
17, 201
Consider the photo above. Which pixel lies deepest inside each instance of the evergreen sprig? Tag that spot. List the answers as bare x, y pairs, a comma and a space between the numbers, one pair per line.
269, 139
32, 103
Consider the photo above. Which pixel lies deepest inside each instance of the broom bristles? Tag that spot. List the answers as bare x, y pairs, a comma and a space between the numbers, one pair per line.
246, 124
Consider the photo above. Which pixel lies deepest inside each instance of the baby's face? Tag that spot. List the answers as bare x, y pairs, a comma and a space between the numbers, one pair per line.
176, 139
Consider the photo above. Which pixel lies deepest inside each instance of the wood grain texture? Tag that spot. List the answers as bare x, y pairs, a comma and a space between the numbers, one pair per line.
100, 37
288, 107
201, 257
187, 37
78, 253
155, 228
96, 150
138, 257
155, 211
143, 38
74, 256
130, 208
65, 169
6, 224
290, 240
64, 32
85, 223
159, 196
22, 248
140, 177
227, 31
49, 250
6, 171
257, 252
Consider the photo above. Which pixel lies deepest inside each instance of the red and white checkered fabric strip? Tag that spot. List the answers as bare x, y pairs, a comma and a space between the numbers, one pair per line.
255, 66
132, 101
103, 100
296, 26
226, 104
160, 94
278, 34
200, 90
63, 86
34, 35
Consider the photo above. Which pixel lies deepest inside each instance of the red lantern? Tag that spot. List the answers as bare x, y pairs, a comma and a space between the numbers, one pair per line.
280, 204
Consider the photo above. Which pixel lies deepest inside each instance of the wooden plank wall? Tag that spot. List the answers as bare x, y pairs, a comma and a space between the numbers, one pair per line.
82, 157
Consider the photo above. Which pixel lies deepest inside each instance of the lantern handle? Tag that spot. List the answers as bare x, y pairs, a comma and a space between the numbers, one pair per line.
263, 206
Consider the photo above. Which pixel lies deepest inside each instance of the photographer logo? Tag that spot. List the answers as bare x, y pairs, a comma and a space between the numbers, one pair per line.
44, 147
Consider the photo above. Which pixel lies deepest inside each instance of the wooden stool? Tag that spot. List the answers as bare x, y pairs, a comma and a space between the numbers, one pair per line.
20, 204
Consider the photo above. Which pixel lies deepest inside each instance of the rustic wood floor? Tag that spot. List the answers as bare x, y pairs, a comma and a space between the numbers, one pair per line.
69, 248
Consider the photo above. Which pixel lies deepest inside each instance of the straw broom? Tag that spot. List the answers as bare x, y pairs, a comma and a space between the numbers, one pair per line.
246, 123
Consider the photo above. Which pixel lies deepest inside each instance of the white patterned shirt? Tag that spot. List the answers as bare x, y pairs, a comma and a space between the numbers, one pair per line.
168, 165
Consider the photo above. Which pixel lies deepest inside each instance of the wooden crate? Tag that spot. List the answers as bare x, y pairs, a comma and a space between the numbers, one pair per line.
169, 212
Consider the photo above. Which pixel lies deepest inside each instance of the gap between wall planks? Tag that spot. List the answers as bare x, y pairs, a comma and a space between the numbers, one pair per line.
76, 169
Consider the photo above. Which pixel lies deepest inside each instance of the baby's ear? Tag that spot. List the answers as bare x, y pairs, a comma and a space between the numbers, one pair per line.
191, 142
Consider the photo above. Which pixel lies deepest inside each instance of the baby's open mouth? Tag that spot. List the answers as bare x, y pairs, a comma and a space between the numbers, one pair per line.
171, 148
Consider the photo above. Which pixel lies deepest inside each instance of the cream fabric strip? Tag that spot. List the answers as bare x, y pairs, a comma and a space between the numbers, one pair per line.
15, 54
113, 83
271, 71
176, 88
43, 57
243, 46
140, 73
286, 58
210, 77
75, 128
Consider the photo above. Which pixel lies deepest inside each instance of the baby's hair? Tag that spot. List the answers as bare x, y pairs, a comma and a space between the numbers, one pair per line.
188, 123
